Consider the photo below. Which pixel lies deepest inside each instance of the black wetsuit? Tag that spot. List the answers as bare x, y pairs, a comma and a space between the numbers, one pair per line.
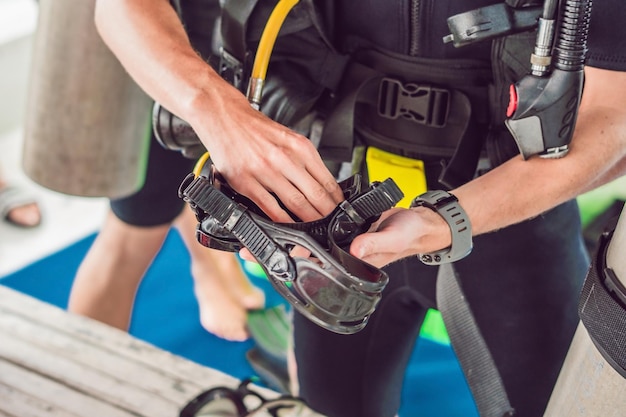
522, 282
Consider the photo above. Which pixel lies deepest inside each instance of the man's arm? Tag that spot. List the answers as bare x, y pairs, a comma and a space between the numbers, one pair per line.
519, 189
256, 155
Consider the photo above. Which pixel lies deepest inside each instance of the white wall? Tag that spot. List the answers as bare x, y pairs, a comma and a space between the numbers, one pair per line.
18, 19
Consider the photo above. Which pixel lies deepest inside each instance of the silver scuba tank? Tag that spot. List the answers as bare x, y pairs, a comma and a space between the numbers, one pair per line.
87, 124
588, 384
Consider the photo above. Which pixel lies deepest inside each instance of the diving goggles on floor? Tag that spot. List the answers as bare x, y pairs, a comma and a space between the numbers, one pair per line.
330, 287
241, 402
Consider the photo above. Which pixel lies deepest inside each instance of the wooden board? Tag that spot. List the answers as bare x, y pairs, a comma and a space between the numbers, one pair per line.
54, 363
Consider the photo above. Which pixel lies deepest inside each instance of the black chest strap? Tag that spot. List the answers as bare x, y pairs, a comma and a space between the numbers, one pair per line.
419, 108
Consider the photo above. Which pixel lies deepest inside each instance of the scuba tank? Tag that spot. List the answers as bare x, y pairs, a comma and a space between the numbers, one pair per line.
87, 125
592, 381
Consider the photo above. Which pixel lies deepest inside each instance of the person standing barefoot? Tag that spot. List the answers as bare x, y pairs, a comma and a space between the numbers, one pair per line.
107, 280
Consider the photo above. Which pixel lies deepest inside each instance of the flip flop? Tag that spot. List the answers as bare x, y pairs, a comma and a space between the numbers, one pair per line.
271, 329
12, 197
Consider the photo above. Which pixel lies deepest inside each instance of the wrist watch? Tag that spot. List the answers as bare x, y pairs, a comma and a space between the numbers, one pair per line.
448, 207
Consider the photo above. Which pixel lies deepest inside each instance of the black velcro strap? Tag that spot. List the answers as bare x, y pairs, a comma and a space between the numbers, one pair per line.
381, 197
418, 108
337, 139
461, 168
201, 193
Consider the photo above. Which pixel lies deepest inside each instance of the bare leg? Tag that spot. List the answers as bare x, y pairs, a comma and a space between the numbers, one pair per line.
222, 288
107, 280
106, 283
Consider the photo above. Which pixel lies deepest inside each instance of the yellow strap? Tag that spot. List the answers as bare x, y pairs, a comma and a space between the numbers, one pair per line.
408, 173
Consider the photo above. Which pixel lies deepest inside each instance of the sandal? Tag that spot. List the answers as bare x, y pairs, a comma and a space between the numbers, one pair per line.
11, 198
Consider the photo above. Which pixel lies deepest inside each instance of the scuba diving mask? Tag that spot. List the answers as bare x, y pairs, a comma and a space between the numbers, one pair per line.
330, 287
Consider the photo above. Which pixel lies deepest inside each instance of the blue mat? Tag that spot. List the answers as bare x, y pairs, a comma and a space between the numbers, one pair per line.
166, 315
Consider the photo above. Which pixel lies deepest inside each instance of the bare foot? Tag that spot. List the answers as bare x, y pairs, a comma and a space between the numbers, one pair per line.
236, 281
222, 288
220, 313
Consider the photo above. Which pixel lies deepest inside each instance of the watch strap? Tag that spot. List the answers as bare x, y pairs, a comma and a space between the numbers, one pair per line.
447, 206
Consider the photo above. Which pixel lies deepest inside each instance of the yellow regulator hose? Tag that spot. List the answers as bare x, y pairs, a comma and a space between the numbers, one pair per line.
264, 51
200, 164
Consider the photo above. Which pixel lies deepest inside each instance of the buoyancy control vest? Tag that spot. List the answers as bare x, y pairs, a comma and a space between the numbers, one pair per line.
448, 112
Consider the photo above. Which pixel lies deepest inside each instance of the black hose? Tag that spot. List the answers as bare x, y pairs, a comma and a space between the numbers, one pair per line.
571, 42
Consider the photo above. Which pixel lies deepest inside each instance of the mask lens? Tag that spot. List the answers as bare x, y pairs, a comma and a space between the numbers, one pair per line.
323, 286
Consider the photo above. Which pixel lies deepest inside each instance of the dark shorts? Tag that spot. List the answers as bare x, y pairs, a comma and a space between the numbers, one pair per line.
522, 284
157, 202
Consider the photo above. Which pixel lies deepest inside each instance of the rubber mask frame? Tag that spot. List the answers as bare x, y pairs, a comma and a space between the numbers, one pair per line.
332, 288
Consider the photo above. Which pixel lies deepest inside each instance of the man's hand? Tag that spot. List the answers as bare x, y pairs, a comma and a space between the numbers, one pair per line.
401, 233
260, 159
264, 160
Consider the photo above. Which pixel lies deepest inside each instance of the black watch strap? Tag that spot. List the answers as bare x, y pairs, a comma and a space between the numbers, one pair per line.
448, 207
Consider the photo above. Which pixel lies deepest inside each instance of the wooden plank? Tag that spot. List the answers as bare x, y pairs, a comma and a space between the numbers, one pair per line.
100, 362
25, 393
19, 404
93, 382
85, 360
113, 340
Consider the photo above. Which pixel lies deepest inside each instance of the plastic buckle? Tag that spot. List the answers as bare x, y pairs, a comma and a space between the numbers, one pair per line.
423, 104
